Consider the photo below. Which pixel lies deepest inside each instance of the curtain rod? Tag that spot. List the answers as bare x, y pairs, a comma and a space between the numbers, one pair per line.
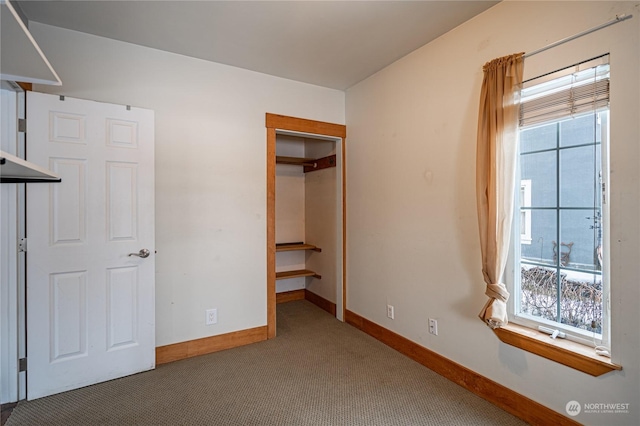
618, 18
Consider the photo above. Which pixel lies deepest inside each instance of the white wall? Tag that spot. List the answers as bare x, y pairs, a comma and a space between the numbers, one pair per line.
210, 168
412, 223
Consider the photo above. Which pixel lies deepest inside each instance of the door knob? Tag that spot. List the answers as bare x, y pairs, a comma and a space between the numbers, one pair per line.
142, 253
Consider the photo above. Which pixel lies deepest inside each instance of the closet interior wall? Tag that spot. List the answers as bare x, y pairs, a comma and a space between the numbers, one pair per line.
306, 206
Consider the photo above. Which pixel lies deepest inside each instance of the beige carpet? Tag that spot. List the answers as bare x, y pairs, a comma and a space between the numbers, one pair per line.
318, 371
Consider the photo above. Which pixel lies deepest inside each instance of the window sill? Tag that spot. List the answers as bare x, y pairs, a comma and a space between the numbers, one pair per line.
566, 352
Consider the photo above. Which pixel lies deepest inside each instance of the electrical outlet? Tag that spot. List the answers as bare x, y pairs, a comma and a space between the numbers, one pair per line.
390, 311
211, 316
433, 326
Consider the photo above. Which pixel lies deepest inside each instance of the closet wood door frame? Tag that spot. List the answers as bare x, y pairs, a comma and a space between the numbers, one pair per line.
276, 122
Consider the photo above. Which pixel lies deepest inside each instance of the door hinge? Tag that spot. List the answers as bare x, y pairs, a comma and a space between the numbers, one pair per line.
22, 365
22, 125
22, 245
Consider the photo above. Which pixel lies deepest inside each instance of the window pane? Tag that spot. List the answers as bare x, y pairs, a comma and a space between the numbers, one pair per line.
579, 236
539, 138
579, 176
538, 292
540, 169
580, 130
543, 233
581, 300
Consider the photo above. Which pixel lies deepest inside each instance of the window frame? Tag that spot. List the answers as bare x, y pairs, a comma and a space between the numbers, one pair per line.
525, 201
512, 273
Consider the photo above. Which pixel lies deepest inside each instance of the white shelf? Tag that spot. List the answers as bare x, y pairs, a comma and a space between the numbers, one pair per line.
21, 59
17, 170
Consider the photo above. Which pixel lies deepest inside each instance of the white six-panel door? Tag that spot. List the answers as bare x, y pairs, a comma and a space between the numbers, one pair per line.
90, 306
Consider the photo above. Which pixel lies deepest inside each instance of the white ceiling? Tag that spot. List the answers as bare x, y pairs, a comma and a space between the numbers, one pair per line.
328, 43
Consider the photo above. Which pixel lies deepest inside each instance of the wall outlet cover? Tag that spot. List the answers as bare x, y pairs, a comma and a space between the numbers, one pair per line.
211, 316
433, 326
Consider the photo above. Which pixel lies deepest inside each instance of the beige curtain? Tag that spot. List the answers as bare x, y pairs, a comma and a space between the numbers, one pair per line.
495, 176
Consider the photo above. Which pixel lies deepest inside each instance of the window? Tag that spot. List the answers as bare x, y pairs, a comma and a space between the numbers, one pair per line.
560, 266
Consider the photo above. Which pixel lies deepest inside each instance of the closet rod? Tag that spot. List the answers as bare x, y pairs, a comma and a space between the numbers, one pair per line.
618, 18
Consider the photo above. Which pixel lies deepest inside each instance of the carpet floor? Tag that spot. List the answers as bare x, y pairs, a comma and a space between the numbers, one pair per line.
318, 371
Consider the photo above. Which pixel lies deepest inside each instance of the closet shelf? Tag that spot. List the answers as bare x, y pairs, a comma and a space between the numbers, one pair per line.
296, 246
296, 274
22, 59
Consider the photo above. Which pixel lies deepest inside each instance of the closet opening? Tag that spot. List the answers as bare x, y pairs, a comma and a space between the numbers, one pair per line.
305, 214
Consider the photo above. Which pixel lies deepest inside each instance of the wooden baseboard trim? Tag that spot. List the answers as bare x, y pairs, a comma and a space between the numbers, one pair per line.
500, 396
207, 345
320, 302
290, 296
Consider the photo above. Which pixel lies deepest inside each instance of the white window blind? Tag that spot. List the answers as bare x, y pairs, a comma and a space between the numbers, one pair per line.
570, 91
